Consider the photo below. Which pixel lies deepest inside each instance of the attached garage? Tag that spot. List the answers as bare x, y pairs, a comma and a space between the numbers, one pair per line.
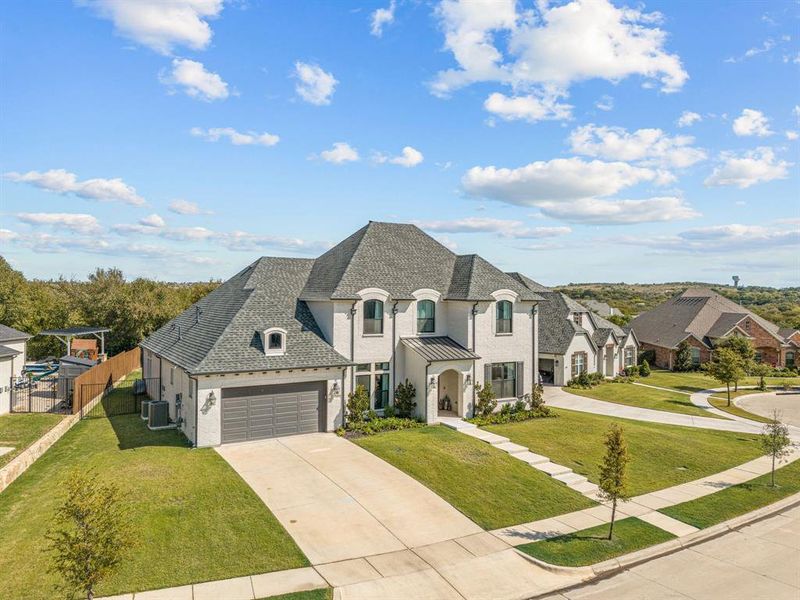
268, 411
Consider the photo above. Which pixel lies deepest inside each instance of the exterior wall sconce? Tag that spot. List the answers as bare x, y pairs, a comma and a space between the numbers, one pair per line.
432, 382
212, 399
335, 389
468, 379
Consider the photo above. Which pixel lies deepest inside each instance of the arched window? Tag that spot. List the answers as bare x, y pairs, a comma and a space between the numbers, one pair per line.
275, 341
426, 316
373, 317
504, 312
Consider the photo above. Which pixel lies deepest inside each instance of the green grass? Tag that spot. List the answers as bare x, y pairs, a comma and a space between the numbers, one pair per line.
320, 594
590, 546
738, 499
486, 484
661, 455
643, 397
722, 404
21, 430
195, 519
697, 381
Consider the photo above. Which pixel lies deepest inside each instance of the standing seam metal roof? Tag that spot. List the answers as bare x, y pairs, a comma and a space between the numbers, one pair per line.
439, 349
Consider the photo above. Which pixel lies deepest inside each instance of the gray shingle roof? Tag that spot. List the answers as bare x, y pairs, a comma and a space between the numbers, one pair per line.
556, 329
439, 348
724, 324
226, 337
5, 352
697, 311
400, 259
9, 334
529, 283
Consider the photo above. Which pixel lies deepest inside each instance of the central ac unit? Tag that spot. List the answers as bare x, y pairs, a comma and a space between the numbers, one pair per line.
145, 409
158, 415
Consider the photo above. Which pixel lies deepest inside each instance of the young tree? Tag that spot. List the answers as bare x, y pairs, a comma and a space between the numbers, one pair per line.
775, 441
487, 400
744, 348
614, 471
761, 370
91, 533
404, 396
683, 357
536, 399
357, 404
644, 369
726, 367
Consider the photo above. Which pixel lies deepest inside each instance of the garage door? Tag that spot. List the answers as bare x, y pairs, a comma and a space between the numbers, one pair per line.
260, 412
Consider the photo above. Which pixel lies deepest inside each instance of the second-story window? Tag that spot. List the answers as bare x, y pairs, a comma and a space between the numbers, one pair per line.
504, 312
578, 318
373, 317
426, 316
275, 341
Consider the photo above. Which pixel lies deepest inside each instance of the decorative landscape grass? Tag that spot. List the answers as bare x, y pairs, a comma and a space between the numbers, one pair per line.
590, 546
661, 455
195, 519
486, 484
697, 381
722, 404
643, 397
738, 499
21, 430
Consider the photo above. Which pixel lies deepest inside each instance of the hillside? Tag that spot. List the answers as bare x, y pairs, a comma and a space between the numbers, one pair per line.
781, 306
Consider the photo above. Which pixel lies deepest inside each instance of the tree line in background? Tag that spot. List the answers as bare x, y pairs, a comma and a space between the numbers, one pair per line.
779, 305
131, 309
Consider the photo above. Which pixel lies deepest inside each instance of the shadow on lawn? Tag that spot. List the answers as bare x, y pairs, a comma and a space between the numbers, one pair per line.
132, 432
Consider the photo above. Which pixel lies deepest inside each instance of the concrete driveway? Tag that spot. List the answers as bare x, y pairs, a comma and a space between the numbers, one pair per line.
764, 404
340, 502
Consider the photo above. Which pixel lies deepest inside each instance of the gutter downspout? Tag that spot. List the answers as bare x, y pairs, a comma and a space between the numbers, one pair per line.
534, 319
426, 394
353, 312
344, 405
394, 357
160, 379
193, 382
474, 314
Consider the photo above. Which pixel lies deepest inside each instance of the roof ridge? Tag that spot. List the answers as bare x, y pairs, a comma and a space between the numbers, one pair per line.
368, 228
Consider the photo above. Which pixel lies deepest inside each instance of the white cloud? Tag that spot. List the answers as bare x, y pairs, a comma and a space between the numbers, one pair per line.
381, 17
688, 118
410, 157
160, 24
558, 179
643, 145
196, 81
619, 212
796, 111
539, 106
605, 102
615, 43
62, 181
187, 234
313, 84
149, 225
237, 138
341, 153
79, 223
751, 122
6, 235
743, 171
185, 207
241, 240
791, 135
722, 238
153, 220
501, 227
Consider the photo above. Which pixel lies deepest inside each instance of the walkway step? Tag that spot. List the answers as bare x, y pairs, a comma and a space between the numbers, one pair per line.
531, 458
511, 448
570, 478
485, 436
457, 424
552, 468
586, 488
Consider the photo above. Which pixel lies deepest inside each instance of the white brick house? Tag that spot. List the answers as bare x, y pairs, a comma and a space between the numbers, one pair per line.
276, 349
13, 349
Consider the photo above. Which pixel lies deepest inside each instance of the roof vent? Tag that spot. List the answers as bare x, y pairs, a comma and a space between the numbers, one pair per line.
179, 332
197, 313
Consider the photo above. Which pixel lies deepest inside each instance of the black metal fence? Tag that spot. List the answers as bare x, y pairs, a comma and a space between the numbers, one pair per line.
49, 394
122, 398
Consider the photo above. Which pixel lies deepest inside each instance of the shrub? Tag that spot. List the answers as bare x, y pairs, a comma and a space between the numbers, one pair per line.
380, 424
505, 409
644, 369
511, 417
404, 399
683, 357
487, 401
389, 412
647, 356
586, 380
519, 406
357, 404
632, 371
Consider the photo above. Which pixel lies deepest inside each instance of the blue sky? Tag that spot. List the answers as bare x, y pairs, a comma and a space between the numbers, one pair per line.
572, 141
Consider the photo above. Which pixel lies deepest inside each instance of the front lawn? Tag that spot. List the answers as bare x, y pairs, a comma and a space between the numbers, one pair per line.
486, 484
590, 546
738, 499
661, 455
722, 404
195, 519
20, 430
697, 381
643, 397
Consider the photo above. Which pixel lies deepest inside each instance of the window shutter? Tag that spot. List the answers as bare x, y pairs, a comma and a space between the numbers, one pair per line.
487, 373
520, 379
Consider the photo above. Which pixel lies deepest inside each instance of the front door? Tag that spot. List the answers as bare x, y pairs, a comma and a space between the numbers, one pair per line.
610, 360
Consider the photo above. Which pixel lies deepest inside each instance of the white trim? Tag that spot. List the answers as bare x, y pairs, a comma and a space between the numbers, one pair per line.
426, 294
373, 294
265, 341
505, 294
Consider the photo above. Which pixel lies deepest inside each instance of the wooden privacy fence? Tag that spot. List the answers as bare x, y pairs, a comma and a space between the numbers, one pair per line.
103, 376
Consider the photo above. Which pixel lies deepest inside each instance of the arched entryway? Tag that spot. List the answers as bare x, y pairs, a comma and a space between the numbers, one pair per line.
450, 394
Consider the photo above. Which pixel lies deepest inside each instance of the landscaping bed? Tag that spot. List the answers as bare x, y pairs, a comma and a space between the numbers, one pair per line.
486, 484
661, 455
697, 381
591, 546
20, 430
643, 397
738, 499
194, 518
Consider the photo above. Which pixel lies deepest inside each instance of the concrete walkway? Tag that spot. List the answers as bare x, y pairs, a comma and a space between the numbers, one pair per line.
339, 501
555, 396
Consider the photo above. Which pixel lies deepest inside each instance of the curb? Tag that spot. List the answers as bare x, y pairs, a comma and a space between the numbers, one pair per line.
614, 566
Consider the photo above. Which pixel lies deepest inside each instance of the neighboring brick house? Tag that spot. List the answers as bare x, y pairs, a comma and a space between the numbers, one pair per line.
703, 318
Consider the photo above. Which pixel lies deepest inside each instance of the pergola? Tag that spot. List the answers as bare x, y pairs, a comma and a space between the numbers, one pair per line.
66, 335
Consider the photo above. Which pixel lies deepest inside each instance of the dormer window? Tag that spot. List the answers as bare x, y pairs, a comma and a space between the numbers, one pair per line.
373, 317
504, 313
426, 316
274, 341
578, 319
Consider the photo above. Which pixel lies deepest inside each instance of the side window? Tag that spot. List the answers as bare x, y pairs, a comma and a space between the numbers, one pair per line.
373, 317
504, 312
426, 316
